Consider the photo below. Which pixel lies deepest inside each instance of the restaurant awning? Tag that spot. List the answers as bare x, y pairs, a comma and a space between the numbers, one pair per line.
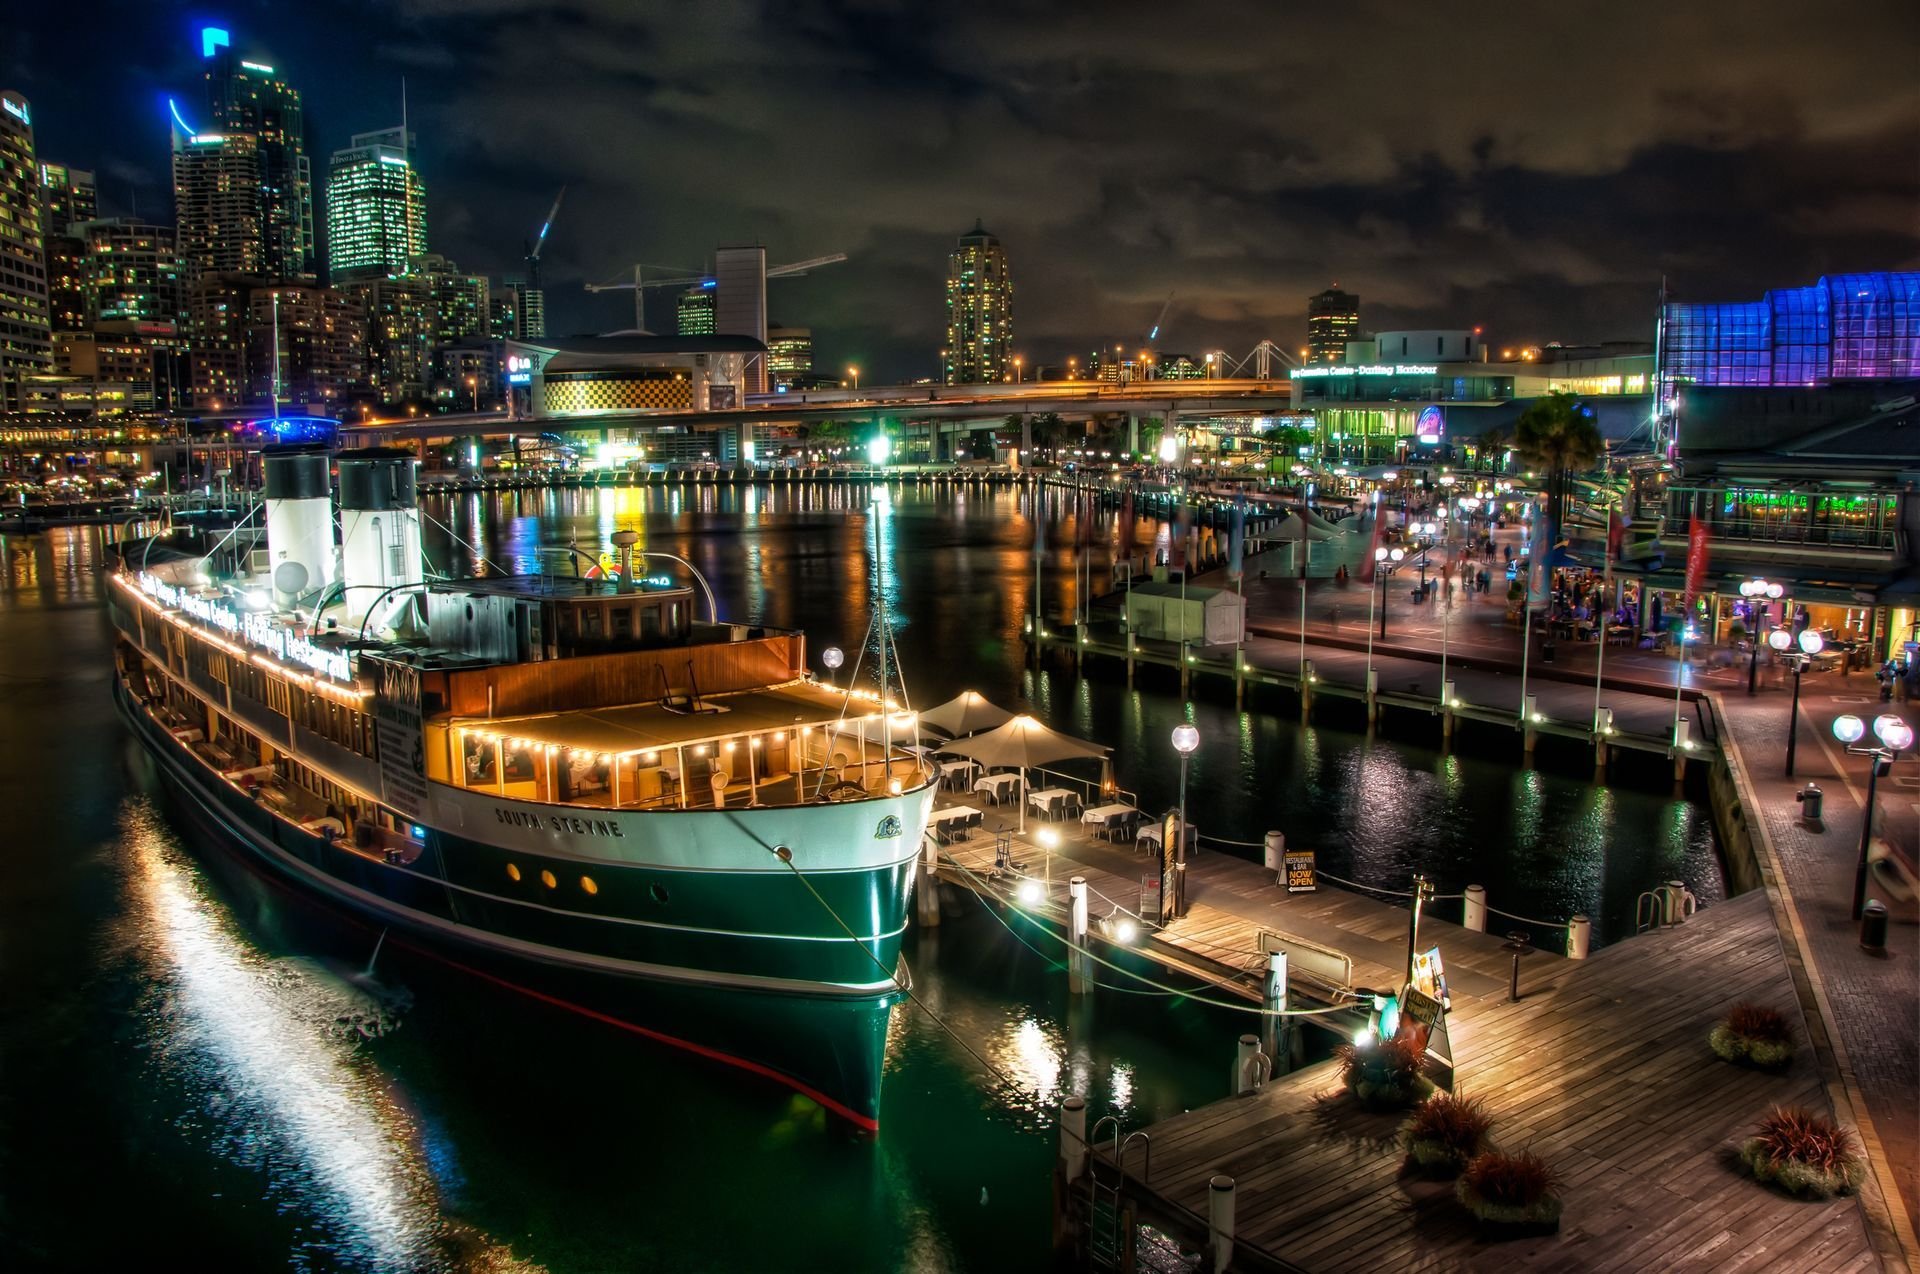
966, 713
1024, 743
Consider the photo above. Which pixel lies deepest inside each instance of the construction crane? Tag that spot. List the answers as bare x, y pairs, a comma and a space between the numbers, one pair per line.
540, 240
678, 277
1160, 318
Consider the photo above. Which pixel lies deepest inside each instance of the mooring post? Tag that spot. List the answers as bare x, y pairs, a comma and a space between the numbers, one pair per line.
1447, 701
1373, 695
1244, 1071
1579, 937
1219, 1223
1529, 715
1307, 680
1239, 678
1473, 910
1275, 1031
1078, 981
926, 898
1073, 1137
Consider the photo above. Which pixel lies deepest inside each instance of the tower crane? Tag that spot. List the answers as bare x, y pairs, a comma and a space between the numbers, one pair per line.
1154, 334
678, 277
540, 240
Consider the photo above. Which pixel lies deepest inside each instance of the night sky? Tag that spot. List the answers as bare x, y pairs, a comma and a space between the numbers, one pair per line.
1533, 168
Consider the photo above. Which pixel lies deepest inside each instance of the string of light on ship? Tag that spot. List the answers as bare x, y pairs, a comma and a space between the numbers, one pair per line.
523, 743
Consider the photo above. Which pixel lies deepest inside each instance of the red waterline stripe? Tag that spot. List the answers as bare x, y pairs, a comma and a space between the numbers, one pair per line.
864, 1122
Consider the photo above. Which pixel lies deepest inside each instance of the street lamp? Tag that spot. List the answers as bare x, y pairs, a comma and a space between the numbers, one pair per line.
1185, 740
854, 372
1757, 592
1385, 562
832, 658
1811, 643
1895, 736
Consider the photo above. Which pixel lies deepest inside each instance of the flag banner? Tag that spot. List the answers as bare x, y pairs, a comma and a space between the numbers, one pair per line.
1039, 522
1696, 560
1539, 559
1366, 563
1236, 539
1177, 550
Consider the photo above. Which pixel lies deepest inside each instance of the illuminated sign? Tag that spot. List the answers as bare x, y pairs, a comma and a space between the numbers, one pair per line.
655, 581
393, 159
212, 38
255, 66
1368, 369
519, 369
1431, 425
16, 109
260, 630
185, 127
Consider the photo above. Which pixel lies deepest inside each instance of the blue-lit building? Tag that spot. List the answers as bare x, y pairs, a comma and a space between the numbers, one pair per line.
1845, 327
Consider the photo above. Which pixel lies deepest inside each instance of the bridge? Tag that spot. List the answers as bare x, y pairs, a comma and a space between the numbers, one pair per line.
945, 411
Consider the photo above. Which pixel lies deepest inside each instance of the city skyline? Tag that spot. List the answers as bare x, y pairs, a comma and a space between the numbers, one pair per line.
1474, 206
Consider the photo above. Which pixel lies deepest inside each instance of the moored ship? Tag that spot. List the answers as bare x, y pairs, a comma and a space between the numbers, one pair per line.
587, 788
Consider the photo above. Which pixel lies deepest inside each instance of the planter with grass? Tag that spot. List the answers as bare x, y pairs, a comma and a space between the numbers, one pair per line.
1446, 1131
1754, 1035
1805, 1154
1384, 1074
1511, 1194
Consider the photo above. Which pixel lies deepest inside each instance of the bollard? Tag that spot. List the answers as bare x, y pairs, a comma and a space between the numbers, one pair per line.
1073, 1137
1473, 912
1273, 855
926, 898
1220, 1222
1078, 983
1873, 927
1811, 800
1579, 937
1275, 1036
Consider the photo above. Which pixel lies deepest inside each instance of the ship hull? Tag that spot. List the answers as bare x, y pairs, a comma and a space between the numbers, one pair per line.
782, 973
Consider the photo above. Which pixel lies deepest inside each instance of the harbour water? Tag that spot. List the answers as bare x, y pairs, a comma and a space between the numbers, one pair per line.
201, 1067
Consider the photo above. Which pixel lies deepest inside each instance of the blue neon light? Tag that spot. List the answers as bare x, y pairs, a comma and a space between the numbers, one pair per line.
1154, 335
185, 127
707, 283
212, 38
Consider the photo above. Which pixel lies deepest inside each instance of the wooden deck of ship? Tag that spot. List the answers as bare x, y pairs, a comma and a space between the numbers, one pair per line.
1602, 1068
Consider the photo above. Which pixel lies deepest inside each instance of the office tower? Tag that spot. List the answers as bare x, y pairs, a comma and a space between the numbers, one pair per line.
248, 98
143, 360
217, 203
319, 339
503, 314
740, 304
69, 308
26, 340
979, 310
217, 314
67, 196
399, 318
376, 207
461, 303
695, 311
132, 270
529, 304
789, 355
1333, 319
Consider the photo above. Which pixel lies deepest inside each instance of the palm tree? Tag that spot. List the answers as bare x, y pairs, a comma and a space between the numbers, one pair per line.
1491, 443
1557, 437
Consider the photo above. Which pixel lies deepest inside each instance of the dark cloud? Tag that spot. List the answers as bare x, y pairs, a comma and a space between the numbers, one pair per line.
1533, 168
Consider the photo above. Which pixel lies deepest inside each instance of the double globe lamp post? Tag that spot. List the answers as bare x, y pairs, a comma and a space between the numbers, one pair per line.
1811, 643
1385, 562
1758, 593
1185, 740
1895, 736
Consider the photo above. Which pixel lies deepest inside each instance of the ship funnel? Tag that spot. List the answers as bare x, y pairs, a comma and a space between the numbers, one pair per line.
379, 533
300, 549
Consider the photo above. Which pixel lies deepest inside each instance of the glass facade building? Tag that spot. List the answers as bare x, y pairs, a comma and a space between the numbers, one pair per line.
26, 338
376, 208
694, 314
1845, 327
1333, 319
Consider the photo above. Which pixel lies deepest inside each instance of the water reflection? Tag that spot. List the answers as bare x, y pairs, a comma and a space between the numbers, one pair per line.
267, 1051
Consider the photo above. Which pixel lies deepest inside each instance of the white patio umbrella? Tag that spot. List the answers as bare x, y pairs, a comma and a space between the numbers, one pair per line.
966, 713
1024, 743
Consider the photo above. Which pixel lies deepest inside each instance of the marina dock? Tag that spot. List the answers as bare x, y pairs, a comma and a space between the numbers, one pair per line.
1602, 1068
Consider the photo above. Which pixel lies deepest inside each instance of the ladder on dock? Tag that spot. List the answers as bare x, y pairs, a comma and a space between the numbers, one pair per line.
1107, 1237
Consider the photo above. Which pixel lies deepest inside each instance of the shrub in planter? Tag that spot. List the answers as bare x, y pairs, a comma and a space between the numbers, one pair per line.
1515, 1191
1804, 1154
1755, 1034
1384, 1074
1447, 1131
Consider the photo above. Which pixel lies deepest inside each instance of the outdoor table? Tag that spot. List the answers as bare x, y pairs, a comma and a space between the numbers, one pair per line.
954, 773
1150, 835
997, 787
953, 820
1047, 799
1108, 818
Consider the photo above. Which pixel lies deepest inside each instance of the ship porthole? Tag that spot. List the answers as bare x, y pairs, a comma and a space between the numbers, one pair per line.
658, 893
587, 883
513, 871
548, 879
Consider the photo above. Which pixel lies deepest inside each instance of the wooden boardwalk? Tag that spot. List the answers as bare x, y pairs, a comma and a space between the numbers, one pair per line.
1603, 1068
1230, 903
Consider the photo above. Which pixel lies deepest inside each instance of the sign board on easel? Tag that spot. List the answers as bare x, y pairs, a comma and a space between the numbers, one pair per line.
1299, 867
1150, 896
1425, 1000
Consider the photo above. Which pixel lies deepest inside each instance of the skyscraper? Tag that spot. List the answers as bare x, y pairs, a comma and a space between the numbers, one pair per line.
69, 307
789, 355
26, 340
461, 303
740, 304
399, 310
979, 310
376, 207
694, 314
320, 339
246, 97
1333, 319
67, 196
217, 203
529, 304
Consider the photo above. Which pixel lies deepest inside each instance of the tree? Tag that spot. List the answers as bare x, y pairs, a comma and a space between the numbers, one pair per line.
1557, 437
1491, 442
